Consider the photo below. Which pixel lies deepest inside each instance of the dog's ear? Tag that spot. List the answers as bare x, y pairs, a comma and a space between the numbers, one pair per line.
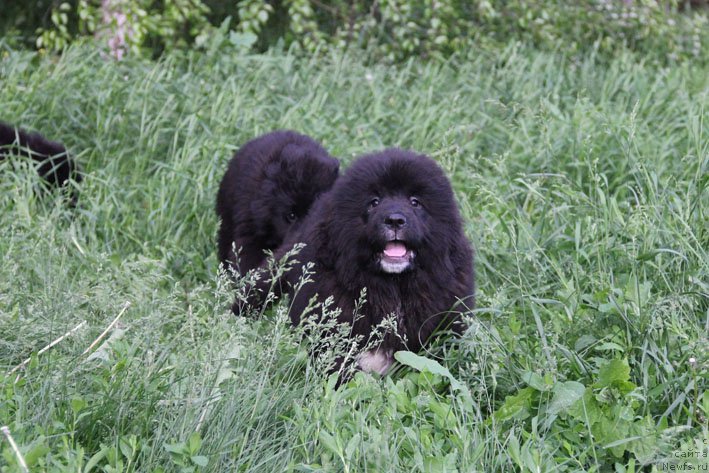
322, 238
458, 262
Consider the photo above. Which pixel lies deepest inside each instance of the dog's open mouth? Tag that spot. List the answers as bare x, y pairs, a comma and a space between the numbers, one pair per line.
396, 257
395, 250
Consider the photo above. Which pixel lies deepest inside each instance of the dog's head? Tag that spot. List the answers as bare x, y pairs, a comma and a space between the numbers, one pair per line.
394, 212
292, 181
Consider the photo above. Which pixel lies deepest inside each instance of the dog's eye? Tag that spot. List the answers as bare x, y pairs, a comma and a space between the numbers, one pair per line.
414, 202
291, 217
373, 203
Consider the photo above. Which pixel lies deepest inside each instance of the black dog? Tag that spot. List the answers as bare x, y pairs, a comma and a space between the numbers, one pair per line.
266, 192
390, 225
55, 165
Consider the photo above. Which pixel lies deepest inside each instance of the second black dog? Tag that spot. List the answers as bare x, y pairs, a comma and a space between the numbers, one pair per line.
54, 163
267, 190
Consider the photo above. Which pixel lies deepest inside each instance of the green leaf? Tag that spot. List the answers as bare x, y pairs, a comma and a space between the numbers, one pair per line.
421, 363
36, 452
194, 442
587, 409
352, 446
513, 449
516, 406
609, 346
584, 341
95, 459
77, 404
127, 446
329, 442
178, 448
535, 381
443, 415
242, 40
615, 373
440, 464
565, 395
200, 460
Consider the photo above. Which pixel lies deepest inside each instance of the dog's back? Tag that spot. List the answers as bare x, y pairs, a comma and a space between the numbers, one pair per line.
56, 166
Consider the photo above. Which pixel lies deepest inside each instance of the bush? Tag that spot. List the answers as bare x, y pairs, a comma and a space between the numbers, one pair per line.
393, 29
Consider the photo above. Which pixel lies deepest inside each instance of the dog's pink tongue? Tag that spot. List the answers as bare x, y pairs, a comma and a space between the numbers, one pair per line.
394, 249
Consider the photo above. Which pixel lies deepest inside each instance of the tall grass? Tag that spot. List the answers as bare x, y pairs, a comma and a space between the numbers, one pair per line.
584, 188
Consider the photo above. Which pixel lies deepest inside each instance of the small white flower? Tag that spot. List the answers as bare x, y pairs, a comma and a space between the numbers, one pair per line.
369, 77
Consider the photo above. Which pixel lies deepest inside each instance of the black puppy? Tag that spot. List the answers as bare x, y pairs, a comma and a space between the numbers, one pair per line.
389, 225
55, 164
267, 190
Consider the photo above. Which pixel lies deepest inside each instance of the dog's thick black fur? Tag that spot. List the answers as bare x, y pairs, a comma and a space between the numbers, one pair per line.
55, 164
267, 190
390, 225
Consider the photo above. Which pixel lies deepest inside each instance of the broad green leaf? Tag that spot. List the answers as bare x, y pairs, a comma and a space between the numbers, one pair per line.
609, 346
535, 381
421, 363
586, 409
127, 446
439, 464
584, 341
244, 40
96, 458
444, 417
36, 452
194, 442
77, 404
178, 448
352, 446
615, 373
565, 395
329, 442
516, 406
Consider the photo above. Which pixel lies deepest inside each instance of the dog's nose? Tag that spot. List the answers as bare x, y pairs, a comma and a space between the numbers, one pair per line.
395, 220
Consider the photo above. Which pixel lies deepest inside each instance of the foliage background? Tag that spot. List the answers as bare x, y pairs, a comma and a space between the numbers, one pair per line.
393, 29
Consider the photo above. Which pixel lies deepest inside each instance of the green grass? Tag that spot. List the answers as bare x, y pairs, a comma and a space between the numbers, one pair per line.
584, 189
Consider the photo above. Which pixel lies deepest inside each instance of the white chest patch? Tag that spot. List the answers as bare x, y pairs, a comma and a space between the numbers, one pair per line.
377, 360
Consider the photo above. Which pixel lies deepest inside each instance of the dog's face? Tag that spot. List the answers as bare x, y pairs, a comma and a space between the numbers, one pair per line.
290, 187
396, 226
395, 205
